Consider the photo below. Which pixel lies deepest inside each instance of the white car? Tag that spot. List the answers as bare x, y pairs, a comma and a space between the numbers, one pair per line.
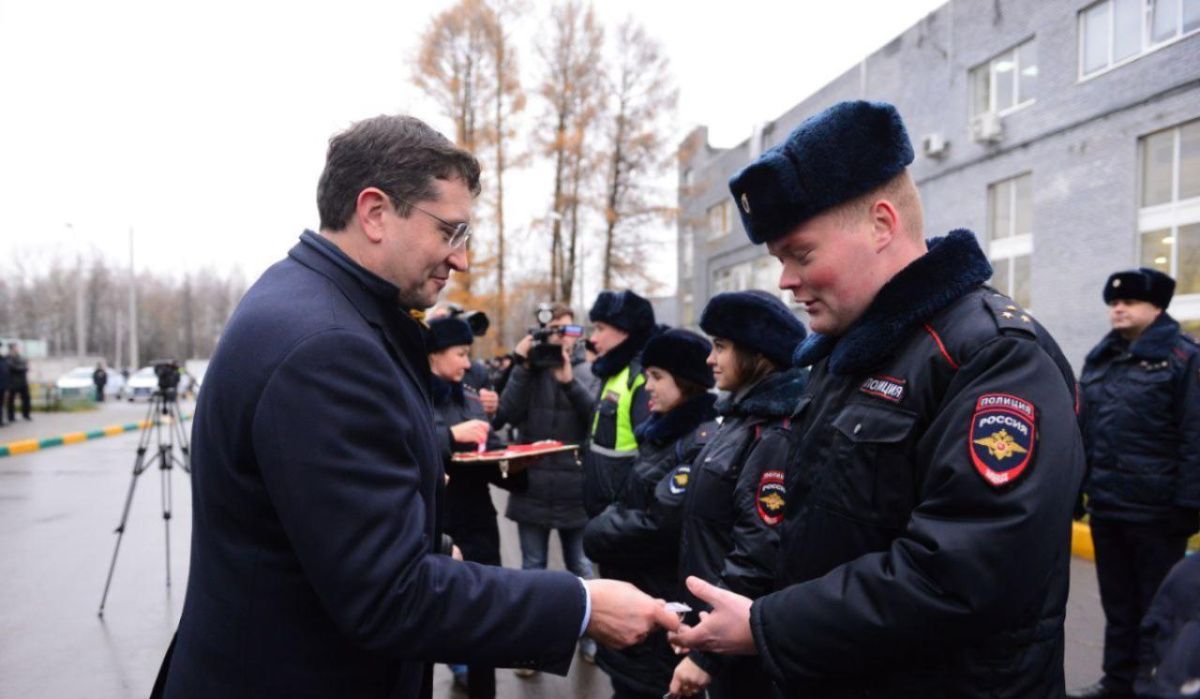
77, 383
141, 385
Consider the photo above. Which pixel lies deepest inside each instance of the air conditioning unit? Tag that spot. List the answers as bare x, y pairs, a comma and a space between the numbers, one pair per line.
986, 127
934, 145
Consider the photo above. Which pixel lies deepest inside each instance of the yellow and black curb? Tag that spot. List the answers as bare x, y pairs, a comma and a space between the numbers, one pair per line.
26, 446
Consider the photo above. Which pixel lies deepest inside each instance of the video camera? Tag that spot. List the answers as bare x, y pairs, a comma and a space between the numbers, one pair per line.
544, 354
477, 320
167, 371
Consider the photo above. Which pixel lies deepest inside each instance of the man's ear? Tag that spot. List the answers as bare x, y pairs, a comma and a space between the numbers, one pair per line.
885, 224
369, 210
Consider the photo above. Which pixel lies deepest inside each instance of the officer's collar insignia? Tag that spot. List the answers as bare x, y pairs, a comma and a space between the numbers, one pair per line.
1002, 437
886, 387
745, 203
771, 498
679, 479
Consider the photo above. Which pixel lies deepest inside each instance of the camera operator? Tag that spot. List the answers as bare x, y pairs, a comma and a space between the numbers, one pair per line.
550, 402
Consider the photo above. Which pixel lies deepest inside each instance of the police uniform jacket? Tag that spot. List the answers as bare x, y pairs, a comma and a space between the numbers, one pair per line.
604, 471
636, 538
735, 495
469, 515
316, 474
1140, 416
926, 546
1170, 654
542, 407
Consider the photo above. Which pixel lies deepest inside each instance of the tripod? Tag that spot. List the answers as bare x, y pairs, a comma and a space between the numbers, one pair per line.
164, 408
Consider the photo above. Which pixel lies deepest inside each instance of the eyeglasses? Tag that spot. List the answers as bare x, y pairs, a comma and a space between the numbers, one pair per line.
456, 234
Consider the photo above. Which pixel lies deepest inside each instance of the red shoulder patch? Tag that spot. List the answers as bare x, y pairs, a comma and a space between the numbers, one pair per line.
771, 497
1002, 437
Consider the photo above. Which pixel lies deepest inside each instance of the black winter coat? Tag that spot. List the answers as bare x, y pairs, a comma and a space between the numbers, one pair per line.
18, 372
926, 546
604, 474
468, 502
636, 538
1170, 651
1140, 417
735, 501
541, 407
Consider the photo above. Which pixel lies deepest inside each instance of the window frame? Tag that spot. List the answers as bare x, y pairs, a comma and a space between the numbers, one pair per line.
726, 220
1171, 216
1148, 45
988, 66
1015, 244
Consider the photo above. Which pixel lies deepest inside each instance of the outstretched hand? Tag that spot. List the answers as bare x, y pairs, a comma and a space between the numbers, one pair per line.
623, 615
725, 630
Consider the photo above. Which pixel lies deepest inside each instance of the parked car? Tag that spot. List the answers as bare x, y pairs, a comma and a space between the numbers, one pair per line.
77, 383
141, 385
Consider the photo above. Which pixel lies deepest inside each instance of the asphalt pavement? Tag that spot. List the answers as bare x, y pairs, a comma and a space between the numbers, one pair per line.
58, 510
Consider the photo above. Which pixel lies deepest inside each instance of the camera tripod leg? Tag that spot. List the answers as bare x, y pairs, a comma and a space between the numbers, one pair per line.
140, 465
164, 468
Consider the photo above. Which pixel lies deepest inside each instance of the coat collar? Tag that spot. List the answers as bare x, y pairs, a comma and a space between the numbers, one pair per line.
774, 396
1154, 344
375, 298
662, 428
953, 266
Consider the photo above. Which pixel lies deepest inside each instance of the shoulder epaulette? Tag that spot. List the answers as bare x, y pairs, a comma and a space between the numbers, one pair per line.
1009, 316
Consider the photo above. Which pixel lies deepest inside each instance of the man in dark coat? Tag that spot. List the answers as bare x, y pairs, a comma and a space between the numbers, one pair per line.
100, 380
3, 386
18, 383
317, 474
1140, 414
925, 549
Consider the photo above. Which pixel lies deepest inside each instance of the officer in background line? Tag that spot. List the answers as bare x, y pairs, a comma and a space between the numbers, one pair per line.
622, 324
925, 549
1141, 429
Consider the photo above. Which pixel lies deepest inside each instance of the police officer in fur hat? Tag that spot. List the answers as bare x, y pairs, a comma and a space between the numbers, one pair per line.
926, 541
1141, 430
622, 324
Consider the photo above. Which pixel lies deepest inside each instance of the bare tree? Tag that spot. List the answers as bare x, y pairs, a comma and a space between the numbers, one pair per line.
571, 53
642, 103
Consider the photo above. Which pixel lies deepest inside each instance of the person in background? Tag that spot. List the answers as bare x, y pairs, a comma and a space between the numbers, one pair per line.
1140, 417
3, 386
549, 403
99, 379
636, 538
1169, 666
622, 323
461, 425
736, 494
18, 383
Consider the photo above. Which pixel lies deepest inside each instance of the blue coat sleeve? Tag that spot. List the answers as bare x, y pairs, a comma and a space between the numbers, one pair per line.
350, 498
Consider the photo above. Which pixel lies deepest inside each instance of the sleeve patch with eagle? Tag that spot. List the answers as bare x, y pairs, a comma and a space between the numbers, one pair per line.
1002, 437
771, 498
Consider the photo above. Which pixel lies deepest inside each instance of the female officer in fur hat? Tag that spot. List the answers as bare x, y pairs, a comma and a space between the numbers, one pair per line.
462, 425
636, 538
736, 494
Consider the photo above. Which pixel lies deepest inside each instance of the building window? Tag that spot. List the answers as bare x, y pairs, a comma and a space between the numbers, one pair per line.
1169, 215
1006, 82
1114, 31
1010, 236
720, 220
761, 273
687, 252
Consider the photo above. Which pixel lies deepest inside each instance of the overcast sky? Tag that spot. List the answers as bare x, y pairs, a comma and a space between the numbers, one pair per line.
203, 125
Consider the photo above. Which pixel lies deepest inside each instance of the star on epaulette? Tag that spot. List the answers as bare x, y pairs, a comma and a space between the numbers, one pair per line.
1008, 315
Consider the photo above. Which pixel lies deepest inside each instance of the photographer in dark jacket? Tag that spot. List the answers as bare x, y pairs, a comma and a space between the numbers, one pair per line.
550, 404
636, 538
736, 496
1140, 419
461, 425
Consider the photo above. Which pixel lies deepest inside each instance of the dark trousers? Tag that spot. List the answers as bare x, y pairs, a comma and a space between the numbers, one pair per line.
13, 392
1131, 561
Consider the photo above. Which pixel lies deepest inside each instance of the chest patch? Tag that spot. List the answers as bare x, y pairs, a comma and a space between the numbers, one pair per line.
771, 498
1002, 437
679, 478
886, 387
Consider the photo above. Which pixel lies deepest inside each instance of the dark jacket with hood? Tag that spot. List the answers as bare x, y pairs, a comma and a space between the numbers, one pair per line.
470, 516
1140, 415
734, 504
316, 481
636, 538
926, 546
541, 407
604, 474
